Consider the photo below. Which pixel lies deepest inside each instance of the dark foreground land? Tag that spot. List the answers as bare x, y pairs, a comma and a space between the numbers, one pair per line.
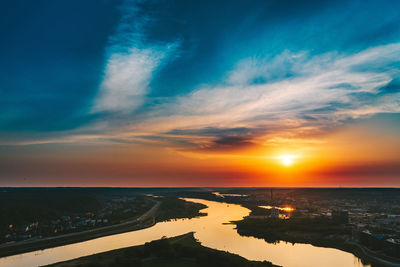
321, 232
177, 251
363, 221
33, 219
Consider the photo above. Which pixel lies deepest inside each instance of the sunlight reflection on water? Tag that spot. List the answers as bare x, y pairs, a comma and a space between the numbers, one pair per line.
211, 230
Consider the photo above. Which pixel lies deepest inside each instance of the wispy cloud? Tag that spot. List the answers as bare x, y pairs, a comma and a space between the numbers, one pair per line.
131, 65
126, 80
320, 92
254, 104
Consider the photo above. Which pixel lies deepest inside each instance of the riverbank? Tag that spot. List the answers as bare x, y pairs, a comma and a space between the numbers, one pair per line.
183, 250
211, 230
316, 233
163, 210
144, 221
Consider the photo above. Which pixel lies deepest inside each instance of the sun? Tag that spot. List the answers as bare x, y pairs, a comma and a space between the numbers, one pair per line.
287, 160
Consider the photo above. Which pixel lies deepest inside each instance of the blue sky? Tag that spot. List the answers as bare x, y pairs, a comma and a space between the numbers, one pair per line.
195, 75
55, 53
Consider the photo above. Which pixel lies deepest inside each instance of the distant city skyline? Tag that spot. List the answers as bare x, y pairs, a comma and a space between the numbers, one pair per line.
200, 93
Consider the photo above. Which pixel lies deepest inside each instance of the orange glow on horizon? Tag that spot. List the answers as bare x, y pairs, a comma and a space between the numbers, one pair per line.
350, 157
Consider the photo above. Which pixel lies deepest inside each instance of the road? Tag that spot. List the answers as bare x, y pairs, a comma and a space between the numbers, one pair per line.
96, 232
375, 257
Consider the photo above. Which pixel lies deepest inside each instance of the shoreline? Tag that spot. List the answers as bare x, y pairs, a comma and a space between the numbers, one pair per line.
364, 254
183, 250
11, 249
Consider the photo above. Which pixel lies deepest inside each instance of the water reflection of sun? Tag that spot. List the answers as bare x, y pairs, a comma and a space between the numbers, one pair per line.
289, 209
286, 208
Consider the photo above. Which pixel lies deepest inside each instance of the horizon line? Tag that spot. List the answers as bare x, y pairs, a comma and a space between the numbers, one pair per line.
194, 187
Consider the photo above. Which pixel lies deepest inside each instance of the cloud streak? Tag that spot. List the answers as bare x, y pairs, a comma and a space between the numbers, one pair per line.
131, 64
126, 81
322, 92
262, 101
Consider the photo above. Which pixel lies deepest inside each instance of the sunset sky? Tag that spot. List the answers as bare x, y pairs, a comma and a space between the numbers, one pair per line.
200, 93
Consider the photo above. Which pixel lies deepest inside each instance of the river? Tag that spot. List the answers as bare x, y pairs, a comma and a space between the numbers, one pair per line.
211, 230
